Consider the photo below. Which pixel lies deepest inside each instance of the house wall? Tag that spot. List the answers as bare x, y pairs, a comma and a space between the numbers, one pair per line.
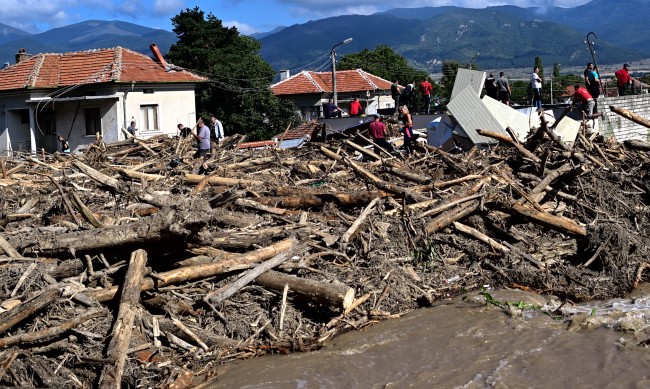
174, 105
613, 124
14, 134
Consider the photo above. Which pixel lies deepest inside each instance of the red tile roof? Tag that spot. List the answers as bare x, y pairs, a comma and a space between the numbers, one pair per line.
51, 70
307, 82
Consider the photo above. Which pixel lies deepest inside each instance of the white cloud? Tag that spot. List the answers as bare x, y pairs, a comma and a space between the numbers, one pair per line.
167, 7
325, 8
243, 28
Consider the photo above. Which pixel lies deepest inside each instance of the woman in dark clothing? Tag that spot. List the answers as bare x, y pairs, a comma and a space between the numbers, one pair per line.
65, 147
407, 128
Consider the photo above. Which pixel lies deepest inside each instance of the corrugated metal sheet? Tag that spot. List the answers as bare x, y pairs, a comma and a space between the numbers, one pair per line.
465, 77
470, 112
510, 117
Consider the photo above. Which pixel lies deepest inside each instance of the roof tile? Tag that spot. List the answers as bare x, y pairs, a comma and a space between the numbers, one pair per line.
307, 82
54, 70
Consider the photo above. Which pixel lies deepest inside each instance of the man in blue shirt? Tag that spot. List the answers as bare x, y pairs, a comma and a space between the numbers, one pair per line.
203, 139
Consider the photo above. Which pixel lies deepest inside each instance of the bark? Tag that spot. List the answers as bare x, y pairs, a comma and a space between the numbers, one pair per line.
16, 315
335, 295
123, 327
201, 271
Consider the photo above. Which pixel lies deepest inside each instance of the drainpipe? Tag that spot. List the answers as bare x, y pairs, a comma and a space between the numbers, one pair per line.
126, 92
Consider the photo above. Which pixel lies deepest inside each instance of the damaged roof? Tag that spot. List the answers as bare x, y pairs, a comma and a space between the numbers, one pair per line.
119, 65
307, 82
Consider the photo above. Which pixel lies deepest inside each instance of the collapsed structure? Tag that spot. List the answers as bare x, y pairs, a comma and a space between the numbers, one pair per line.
121, 266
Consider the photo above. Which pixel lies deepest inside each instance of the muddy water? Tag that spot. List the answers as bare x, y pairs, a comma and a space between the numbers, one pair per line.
470, 344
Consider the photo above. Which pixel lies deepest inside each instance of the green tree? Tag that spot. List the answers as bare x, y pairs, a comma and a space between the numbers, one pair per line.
540, 65
238, 88
382, 62
449, 71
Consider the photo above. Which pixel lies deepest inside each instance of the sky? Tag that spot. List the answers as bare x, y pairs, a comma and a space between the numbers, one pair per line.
249, 16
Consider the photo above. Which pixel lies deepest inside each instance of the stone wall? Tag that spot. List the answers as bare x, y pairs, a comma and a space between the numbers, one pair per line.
615, 125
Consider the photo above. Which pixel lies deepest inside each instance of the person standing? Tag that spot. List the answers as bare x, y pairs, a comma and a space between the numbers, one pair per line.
408, 95
395, 93
407, 128
504, 89
594, 86
377, 130
587, 72
132, 129
217, 128
425, 90
203, 139
623, 79
491, 88
536, 84
355, 107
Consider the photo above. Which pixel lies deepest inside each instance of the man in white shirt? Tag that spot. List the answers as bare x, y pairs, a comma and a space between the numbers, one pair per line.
218, 128
536, 84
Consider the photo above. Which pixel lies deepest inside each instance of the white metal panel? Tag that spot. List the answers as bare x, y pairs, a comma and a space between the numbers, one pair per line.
567, 129
510, 117
470, 112
466, 77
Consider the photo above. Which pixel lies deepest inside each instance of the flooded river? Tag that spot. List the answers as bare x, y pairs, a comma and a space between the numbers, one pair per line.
471, 344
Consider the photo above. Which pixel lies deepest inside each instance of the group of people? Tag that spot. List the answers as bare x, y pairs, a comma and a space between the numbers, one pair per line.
378, 132
204, 135
405, 96
498, 88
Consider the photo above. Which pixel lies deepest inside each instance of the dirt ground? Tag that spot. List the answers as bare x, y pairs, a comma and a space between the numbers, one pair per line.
398, 232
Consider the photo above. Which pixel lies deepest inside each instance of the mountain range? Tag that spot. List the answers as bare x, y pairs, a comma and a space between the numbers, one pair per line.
499, 37
503, 36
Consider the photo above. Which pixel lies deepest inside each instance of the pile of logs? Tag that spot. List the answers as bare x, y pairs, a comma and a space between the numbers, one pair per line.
122, 266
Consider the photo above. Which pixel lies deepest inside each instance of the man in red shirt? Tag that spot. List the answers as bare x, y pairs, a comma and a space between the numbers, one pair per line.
355, 107
377, 132
582, 95
426, 89
623, 79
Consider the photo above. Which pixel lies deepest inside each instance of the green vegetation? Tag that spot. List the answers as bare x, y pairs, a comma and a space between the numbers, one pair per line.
238, 90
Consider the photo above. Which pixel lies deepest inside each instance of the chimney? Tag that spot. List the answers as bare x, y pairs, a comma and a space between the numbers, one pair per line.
158, 56
284, 74
21, 56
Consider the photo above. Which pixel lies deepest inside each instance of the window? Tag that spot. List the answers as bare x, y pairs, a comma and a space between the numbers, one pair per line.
24, 116
93, 121
149, 117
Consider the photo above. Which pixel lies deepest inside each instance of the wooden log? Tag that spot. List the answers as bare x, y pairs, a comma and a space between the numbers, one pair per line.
448, 159
506, 139
96, 175
626, 113
8, 248
445, 219
214, 180
140, 175
318, 200
410, 176
473, 232
16, 315
445, 184
558, 223
331, 294
123, 326
223, 293
448, 206
196, 272
249, 238
86, 212
637, 144
260, 207
550, 177
362, 150
49, 333
354, 228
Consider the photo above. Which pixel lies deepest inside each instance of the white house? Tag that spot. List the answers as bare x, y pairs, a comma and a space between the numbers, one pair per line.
78, 94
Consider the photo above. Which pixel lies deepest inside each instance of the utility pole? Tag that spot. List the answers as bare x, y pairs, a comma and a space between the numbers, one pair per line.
333, 58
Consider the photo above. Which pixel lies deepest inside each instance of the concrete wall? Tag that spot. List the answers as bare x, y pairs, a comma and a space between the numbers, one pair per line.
117, 107
615, 125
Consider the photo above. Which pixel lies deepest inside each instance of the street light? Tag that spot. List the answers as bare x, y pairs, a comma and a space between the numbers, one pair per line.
332, 56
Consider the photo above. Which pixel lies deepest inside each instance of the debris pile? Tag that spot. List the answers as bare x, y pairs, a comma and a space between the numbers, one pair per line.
121, 265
